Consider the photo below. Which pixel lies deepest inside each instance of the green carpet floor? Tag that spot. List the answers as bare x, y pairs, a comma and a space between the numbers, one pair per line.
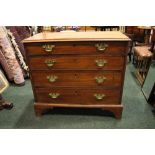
137, 112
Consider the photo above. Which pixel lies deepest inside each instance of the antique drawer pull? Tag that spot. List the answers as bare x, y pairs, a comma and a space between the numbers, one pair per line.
48, 48
54, 95
100, 79
50, 62
99, 96
52, 78
101, 46
100, 62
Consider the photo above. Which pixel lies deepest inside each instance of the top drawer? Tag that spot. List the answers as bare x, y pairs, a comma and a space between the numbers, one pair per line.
106, 47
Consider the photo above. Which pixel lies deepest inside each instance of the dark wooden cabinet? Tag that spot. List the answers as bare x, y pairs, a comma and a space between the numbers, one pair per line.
77, 69
138, 34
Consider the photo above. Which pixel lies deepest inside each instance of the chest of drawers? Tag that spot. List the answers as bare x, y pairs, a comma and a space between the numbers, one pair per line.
77, 69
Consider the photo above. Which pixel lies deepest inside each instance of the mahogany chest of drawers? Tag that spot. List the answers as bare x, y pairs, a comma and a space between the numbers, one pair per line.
77, 69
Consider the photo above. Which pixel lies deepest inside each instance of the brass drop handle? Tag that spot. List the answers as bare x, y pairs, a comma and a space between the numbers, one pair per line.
99, 96
52, 78
100, 79
48, 47
101, 46
54, 95
50, 62
100, 62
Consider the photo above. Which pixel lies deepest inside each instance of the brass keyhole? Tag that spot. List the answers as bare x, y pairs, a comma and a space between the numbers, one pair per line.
76, 75
76, 93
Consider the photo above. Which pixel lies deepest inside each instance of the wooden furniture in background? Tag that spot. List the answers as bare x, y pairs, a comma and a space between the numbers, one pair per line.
77, 69
143, 60
104, 28
87, 28
146, 33
152, 49
143, 57
137, 37
84, 28
140, 37
138, 34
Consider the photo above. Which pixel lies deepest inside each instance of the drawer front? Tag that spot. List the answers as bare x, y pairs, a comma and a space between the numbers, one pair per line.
107, 48
78, 79
76, 63
78, 96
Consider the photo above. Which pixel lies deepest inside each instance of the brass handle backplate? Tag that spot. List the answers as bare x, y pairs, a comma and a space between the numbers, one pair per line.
50, 62
100, 62
54, 95
52, 78
99, 96
100, 79
101, 46
48, 47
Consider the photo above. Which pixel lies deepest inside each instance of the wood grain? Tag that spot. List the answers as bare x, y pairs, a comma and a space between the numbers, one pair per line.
80, 62
77, 36
78, 96
76, 79
114, 48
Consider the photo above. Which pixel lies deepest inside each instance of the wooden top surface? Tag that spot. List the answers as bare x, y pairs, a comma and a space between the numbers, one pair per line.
77, 36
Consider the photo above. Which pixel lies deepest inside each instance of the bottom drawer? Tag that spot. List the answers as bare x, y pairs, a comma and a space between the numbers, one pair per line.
78, 96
